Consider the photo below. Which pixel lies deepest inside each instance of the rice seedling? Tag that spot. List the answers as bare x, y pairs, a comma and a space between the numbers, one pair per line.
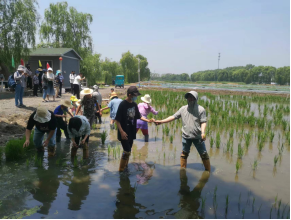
164, 155
94, 126
247, 139
217, 143
240, 151
231, 132
103, 136
171, 139
254, 199
114, 152
14, 149
275, 203
276, 158
167, 130
226, 202
259, 209
271, 212
203, 202
27, 162
281, 149
243, 213
58, 161
255, 164
133, 154
231, 150
278, 212
115, 125
261, 146
108, 149
228, 145
211, 141
215, 190
118, 150
284, 211
272, 135
284, 124
75, 162
237, 166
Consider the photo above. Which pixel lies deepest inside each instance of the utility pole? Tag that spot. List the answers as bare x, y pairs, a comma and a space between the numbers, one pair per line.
138, 73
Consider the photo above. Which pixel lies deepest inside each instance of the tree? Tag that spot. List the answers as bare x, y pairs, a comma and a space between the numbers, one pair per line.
66, 27
282, 75
18, 23
130, 66
91, 68
144, 70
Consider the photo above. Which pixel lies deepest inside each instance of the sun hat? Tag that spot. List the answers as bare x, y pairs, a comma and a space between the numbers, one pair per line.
20, 68
58, 72
50, 69
146, 99
72, 97
42, 115
66, 103
114, 94
95, 87
86, 91
39, 69
133, 90
74, 100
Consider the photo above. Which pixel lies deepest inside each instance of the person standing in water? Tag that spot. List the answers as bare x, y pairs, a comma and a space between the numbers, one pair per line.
193, 130
144, 109
126, 117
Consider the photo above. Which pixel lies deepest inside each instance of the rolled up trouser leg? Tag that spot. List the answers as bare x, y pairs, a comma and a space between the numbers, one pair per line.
124, 160
183, 159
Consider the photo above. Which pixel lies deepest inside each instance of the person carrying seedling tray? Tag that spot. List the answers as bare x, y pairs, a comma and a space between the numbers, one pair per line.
145, 108
194, 125
60, 113
44, 122
126, 117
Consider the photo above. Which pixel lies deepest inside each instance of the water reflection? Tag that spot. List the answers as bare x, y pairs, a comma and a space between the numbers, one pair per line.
189, 200
79, 188
126, 207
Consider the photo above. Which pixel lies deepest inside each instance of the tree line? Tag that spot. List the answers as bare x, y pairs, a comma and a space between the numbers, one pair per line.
247, 74
61, 27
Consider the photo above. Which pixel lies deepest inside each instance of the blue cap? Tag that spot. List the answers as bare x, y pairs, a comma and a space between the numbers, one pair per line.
44, 70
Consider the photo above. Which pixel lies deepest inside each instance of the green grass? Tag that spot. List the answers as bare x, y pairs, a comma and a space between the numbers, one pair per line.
14, 149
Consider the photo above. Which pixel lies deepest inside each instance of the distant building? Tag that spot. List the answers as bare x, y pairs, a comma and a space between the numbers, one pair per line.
71, 61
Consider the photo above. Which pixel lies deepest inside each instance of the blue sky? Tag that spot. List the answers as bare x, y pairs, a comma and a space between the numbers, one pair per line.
187, 35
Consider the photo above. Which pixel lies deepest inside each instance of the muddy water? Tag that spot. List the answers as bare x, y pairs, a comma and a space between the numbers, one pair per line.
154, 186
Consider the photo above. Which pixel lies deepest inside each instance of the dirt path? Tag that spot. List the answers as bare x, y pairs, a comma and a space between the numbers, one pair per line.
13, 120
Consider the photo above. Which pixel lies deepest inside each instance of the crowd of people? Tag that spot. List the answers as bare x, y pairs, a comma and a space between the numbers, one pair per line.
127, 115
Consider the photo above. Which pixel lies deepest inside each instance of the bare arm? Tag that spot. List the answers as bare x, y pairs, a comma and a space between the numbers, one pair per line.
146, 120
104, 109
123, 134
78, 109
203, 127
27, 136
169, 119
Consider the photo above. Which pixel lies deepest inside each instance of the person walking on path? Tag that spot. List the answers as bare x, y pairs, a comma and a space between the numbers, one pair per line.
78, 128
2, 78
126, 117
41, 73
44, 86
60, 113
61, 80
113, 105
112, 91
97, 95
88, 102
44, 122
57, 84
19, 77
193, 131
50, 84
144, 109
35, 83
72, 78
77, 82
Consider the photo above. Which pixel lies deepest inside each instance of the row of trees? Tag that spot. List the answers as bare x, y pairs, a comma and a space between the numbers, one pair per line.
247, 74
62, 26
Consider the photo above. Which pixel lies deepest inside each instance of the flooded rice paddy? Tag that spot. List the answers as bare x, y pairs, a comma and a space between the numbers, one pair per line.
244, 137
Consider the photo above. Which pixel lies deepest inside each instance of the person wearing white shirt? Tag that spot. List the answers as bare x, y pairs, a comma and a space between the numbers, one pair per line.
76, 83
72, 78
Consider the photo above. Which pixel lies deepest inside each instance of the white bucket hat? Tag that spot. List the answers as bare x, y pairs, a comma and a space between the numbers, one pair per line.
146, 99
42, 115
50, 69
86, 91
67, 103
20, 68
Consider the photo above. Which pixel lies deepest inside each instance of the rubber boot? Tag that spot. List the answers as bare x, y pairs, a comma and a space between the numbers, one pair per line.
100, 120
85, 151
123, 161
128, 159
51, 151
206, 163
183, 159
58, 139
146, 138
112, 126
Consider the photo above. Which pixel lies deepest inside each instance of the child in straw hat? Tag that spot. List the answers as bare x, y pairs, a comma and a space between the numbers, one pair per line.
145, 108
60, 113
88, 102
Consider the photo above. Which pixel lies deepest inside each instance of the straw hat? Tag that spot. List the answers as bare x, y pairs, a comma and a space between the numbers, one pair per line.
39, 69
42, 115
146, 99
113, 95
72, 97
66, 103
86, 91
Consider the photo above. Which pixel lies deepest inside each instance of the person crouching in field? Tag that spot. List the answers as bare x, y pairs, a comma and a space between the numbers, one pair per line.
78, 128
126, 117
60, 113
144, 109
194, 125
44, 122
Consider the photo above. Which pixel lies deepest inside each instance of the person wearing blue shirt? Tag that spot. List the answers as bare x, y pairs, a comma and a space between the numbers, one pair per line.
60, 113
113, 105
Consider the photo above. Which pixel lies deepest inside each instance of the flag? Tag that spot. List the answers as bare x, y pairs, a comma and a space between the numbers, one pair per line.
22, 62
13, 64
39, 63
47, 65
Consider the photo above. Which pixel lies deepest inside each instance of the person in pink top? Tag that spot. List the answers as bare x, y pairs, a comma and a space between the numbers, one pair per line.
144, 109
